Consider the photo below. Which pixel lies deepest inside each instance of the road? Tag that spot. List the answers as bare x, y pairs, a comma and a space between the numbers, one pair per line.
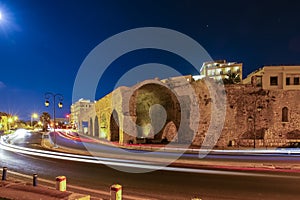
207, 184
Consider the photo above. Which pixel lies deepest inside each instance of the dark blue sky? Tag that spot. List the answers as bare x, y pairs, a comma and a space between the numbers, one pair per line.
44, 42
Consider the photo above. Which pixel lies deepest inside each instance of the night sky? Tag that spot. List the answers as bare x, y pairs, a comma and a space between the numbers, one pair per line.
44, 42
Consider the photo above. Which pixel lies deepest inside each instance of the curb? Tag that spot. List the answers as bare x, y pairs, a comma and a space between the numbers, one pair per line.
15, 189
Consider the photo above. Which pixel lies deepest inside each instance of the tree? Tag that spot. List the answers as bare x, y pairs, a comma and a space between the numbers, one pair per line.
45, 118
232, 78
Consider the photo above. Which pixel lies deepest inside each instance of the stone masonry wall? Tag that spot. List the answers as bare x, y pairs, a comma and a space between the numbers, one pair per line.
242, 103
242, 122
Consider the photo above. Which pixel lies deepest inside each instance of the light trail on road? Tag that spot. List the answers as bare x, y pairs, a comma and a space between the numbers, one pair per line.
120, 162
172, 183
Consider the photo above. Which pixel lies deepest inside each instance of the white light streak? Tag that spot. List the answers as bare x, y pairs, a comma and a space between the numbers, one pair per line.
119, 162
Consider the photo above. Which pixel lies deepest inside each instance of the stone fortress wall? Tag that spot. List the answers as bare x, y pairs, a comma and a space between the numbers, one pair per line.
271, 115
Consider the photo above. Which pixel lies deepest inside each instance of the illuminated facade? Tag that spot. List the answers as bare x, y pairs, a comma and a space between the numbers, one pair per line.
220, 69
275, 77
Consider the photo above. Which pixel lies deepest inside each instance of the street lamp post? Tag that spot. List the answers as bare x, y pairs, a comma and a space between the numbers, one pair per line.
250, 118
60, 97
33, 116
68, 117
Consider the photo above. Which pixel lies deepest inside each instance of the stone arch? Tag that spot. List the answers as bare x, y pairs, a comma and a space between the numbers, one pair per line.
96, 127
170, 132
114, 127
285, 114
103, 126
91, 132
148, 95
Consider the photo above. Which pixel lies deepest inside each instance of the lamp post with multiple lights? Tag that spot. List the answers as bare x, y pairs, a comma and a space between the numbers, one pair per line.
60, 97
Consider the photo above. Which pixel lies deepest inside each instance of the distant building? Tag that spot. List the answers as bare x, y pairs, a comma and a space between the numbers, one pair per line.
78, 110
275, 77
220, 69
62, 120
7, 121
3, 122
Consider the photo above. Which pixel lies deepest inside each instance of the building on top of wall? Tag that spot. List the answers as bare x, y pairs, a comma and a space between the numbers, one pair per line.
275, 77
77, 111
220, 69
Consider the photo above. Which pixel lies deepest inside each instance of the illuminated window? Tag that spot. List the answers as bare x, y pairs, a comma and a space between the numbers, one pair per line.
285, 112
209, 72
273, 80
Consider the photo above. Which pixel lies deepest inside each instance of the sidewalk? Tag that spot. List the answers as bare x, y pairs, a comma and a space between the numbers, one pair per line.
19, 190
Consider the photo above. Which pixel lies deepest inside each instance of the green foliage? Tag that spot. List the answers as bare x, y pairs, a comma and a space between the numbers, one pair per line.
45, 118
232, 78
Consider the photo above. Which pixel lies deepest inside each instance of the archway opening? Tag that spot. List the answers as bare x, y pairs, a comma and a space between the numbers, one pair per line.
96, 127
170, 133
150, 95
91, 127
114, 127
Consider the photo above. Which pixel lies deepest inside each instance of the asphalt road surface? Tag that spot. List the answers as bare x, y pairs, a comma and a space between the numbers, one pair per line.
208, 184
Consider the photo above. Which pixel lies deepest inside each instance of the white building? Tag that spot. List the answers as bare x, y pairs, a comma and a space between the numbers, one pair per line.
219, 69
78, 110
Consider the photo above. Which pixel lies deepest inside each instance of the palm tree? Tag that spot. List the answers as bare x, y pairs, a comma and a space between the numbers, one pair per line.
45, 118
232, 78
